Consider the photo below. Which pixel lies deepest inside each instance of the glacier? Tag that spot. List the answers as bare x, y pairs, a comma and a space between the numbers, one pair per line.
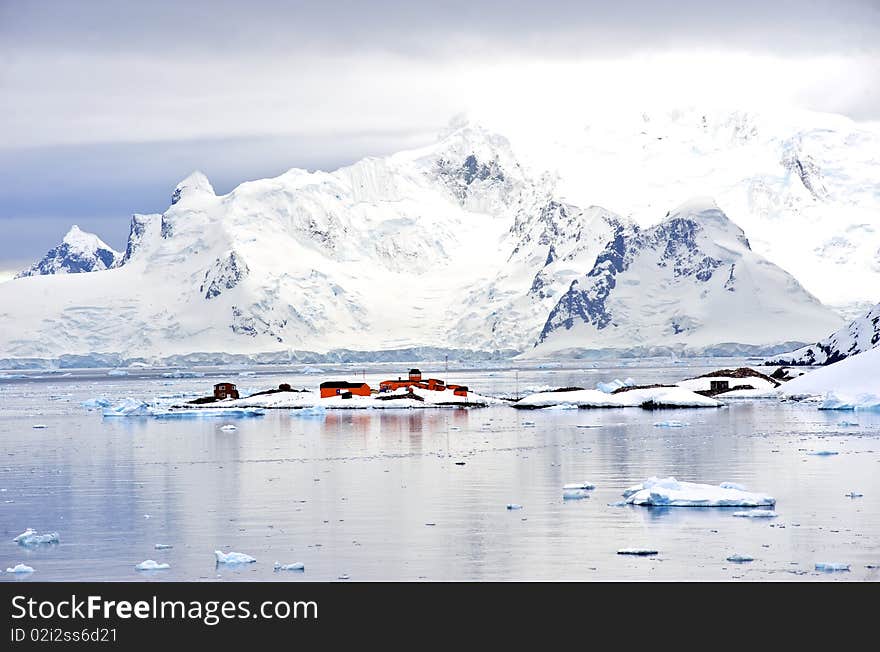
474, 246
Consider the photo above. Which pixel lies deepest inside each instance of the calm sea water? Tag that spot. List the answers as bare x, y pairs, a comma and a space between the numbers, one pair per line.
377, 495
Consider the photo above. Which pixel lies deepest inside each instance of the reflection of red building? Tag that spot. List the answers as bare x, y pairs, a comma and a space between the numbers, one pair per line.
415, 380
341, 387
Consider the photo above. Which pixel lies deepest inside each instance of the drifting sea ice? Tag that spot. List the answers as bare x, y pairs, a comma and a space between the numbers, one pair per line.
163, 546
318, 411
669, 492
514, 506
579, 485
31, 537
854, 494
739, 559
39, 426
641, 552
20, 568
117, 372
822, 453
297, 566
670, 424
233, 558
98, 402
228, 427
574, 494
150, 565
831, 566
756, 513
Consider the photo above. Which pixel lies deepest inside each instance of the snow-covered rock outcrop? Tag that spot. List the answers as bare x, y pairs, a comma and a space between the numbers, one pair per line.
78, 252
859, 335
691, 281
853, 383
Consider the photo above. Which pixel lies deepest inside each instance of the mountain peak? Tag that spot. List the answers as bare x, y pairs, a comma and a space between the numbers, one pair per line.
79, 251
196, 183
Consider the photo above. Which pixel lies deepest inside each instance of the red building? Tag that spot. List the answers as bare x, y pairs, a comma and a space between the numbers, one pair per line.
225, 390
341, 387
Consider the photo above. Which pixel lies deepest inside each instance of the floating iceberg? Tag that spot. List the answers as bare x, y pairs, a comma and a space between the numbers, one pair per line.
298, 566
641, 552
233, 558
831, 566
228, 427
514, 506
130, 407
575, 494
822, 452
150, 565
31, 537
98, 402
738, 559
756, 513
20, 568
39, 426
669, 492
617, 383
854, 494
117, 372
163, 546
732, 485
670, 424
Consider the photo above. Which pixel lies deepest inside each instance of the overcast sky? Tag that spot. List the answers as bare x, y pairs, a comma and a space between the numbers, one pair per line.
105, 105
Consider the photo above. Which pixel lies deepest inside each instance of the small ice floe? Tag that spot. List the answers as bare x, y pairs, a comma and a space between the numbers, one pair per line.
669, 492
163, 546
95, 403
831, 566
233, 558
31, 537
117, 372
641, 552
151, 565
578, 485
514, 506
756, 513
528, 424
671, 424
740, 559
854, 494
228, 427
39, 426
20, 568
822, 452
298, 566
848, 424
575, 494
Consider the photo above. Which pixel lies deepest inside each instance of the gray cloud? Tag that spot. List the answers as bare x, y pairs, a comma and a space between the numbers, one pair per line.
105, 105
563, 27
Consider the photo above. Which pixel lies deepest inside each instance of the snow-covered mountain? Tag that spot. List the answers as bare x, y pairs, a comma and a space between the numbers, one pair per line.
691, 281
804, 186
78, 252
458, 245
858, 336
